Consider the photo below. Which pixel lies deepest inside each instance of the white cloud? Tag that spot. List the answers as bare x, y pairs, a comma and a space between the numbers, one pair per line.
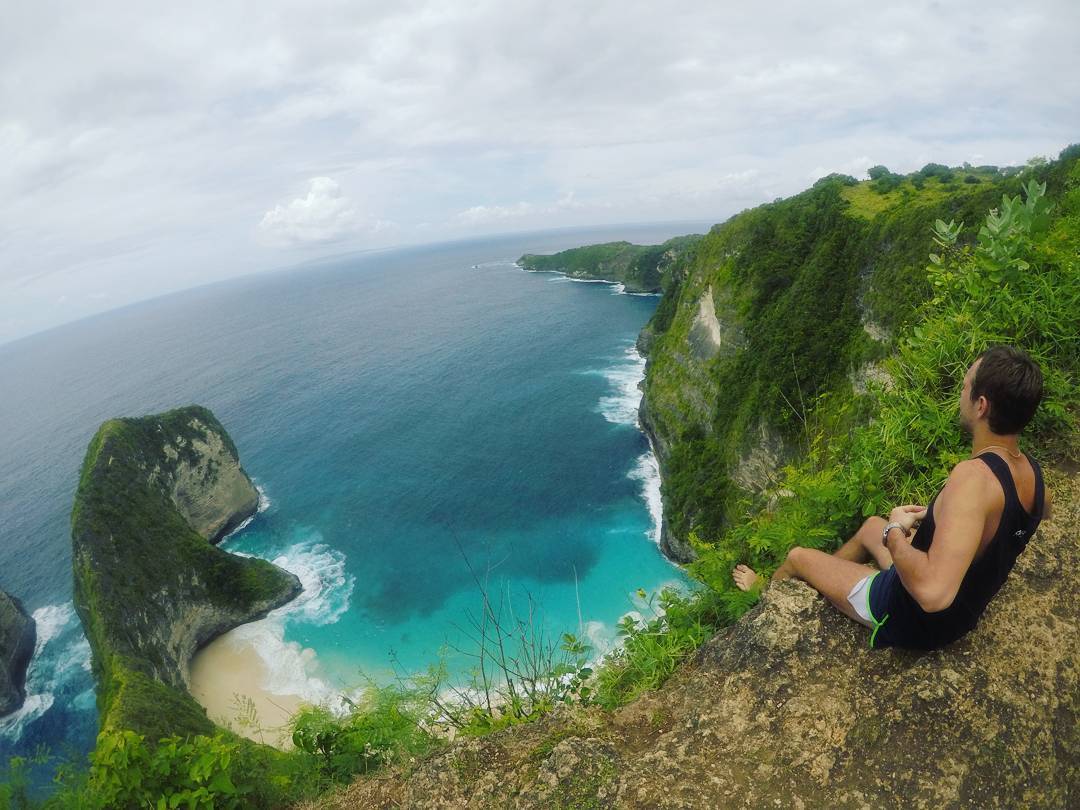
322, 215
149, 148
487, 214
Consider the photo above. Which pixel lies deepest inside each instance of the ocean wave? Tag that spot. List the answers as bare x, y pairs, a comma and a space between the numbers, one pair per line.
328, 586
264, 499
604, 638
647, 471
61, 656
264, 504
592, 280
289, 667
621, 406
496, 263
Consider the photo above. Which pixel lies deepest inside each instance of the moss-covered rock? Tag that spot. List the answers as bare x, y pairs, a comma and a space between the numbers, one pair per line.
17, 637
149, 586
639, 268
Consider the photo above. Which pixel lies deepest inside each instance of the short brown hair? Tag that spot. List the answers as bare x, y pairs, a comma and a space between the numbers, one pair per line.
1013, 385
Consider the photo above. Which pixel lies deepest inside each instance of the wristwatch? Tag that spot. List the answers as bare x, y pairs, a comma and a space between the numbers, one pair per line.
889, 528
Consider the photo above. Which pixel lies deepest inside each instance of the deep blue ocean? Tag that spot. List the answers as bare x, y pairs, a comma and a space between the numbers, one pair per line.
414, 419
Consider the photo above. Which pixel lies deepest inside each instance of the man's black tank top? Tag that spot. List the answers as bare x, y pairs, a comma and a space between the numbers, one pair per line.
908, 625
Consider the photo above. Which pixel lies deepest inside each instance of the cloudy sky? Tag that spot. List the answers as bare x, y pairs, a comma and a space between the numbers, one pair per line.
148, 149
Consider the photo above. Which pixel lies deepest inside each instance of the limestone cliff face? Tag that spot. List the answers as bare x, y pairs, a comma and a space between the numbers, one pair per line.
673, 546
680, 389
149, 587
17, 637
206, 483
789, 708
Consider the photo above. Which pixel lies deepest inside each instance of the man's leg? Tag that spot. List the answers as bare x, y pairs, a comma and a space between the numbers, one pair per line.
866, 543
863, 545
831, 576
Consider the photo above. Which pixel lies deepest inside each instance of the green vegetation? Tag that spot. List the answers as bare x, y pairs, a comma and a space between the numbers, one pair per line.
1015, 279
384, 728
642, 268
820, 285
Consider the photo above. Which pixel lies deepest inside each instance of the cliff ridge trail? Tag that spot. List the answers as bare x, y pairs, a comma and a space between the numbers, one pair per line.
789, 708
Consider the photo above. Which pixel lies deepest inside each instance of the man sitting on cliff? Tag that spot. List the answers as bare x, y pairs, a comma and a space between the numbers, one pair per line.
930, 589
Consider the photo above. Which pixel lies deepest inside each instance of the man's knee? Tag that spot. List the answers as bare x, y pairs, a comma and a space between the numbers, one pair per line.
872, 528
874, 522
794, 555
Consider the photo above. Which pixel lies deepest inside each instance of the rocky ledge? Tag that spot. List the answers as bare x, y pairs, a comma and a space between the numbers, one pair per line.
150, 588
17, 637
789, 708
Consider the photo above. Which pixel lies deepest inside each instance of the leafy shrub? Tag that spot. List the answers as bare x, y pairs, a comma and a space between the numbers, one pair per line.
193, 773
653, 647
384, 727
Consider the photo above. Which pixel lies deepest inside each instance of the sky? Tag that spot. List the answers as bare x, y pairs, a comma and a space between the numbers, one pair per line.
148, 148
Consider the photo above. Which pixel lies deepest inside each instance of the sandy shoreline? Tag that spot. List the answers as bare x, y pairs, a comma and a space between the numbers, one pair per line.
226, 678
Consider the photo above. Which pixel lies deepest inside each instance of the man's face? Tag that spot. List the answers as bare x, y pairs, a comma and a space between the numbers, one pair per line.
968, 409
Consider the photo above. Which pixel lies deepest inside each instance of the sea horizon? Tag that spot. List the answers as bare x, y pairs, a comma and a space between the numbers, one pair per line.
654, 229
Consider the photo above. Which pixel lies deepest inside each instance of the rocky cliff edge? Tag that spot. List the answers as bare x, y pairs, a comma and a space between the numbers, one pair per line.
17, 637
790, 708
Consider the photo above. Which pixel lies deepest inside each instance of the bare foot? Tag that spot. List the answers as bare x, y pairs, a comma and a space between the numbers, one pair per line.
746, 578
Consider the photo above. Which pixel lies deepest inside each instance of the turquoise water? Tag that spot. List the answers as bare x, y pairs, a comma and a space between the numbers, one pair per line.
415, 420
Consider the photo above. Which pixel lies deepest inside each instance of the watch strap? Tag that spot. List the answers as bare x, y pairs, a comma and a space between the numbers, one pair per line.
888, 528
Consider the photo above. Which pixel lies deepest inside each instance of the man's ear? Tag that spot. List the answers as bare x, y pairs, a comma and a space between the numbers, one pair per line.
982, 407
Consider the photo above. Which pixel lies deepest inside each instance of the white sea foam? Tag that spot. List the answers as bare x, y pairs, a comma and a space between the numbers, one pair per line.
56, 660
291, 668
592, 280
328, 587
647, 471
50, 622
621, 406
264, 499
497, 263
242, 525
601, 637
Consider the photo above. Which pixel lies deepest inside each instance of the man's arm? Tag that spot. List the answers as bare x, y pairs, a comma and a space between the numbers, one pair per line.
933, 577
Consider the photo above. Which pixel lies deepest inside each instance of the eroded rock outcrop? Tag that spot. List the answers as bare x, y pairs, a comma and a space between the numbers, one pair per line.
17, 637
206, 482
789, 708
149, 586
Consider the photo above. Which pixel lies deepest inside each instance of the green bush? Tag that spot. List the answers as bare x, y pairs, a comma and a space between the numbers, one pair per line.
384, 727
193, 773
653, 647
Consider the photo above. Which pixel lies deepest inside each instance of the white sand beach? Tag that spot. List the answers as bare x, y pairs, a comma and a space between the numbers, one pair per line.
226, 678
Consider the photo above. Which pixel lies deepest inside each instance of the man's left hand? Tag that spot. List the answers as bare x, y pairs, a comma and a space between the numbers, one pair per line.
907, 516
